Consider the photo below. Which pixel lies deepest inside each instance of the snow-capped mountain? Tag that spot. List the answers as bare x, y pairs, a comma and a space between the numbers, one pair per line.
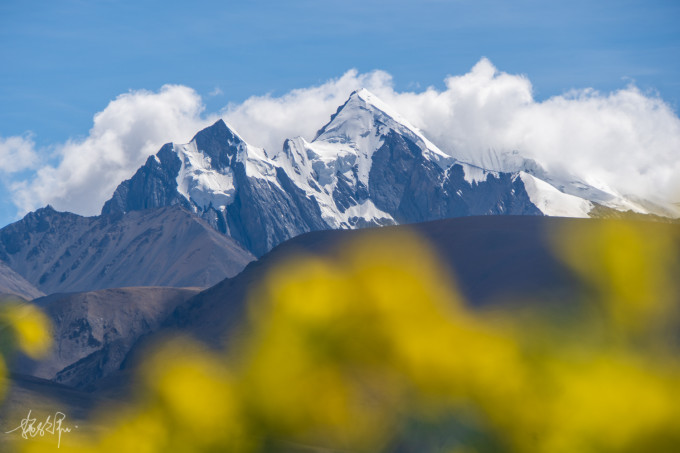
368, 166
342, 159
232, 185
335, 168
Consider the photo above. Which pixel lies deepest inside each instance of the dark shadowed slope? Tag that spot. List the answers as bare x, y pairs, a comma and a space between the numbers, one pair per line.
13, 284
94, 331
492, 258
64, 252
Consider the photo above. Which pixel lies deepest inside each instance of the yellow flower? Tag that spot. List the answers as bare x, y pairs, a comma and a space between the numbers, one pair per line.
29, 327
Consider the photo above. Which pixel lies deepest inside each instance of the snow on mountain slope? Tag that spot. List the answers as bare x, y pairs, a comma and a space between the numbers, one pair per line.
340, 158
360, 125
316, 170
334, 168
199, 182
229, 183
591, 190
205, 184
551, 201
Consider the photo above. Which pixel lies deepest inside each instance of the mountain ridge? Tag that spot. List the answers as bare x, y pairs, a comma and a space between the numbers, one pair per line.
367, 166
65, 252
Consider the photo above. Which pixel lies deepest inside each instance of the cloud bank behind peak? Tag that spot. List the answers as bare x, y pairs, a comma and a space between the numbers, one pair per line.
626, 140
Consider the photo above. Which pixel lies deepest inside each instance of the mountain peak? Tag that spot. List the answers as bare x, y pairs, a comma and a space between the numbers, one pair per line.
369, 99
46, 211
216, 135
360, 104
365, 117
356, 117
362, 94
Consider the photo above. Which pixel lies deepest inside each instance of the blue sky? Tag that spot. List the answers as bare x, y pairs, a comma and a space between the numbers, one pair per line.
64, 61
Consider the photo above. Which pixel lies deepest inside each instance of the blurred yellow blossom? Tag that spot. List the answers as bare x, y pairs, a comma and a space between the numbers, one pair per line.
372, 349
632, 267
27, 327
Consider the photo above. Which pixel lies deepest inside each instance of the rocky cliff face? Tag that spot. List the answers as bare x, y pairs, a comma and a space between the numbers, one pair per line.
413, 189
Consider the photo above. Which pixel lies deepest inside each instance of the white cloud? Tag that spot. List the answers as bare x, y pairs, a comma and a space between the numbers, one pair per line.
17, 154
627, 140
124, 134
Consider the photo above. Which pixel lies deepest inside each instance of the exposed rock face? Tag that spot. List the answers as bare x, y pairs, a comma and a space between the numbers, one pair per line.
413, 189
64, 252
153, 186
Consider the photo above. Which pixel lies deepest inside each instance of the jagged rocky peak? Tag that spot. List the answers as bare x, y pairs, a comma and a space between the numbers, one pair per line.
218, 143
205, 176
197, 175
45, 213
231, 184
212, 141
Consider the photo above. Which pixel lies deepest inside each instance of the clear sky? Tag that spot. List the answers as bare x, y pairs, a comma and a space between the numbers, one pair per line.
63, 61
